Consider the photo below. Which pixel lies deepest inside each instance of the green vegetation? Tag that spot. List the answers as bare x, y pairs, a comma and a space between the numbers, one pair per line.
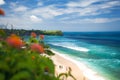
22, 32
67, 74
21, 60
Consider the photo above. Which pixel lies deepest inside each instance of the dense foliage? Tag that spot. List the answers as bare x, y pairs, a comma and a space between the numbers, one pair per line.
22, 32
20, 60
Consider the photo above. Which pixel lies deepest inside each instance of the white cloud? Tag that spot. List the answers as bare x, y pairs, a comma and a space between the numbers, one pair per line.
91, 20
18, 22
40, 4
46, 12
102, 20
35, 18
72, 13
109, 4
13, 4
20, 9
16, 7
82, 3
2, 2
86, 7
21, 22
97, 20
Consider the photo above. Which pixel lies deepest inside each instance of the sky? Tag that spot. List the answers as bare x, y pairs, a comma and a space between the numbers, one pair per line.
65, 15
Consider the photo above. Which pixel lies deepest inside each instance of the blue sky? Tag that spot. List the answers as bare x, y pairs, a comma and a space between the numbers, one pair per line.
65, 15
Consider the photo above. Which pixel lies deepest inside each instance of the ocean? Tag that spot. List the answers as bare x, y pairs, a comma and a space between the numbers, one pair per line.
100, 51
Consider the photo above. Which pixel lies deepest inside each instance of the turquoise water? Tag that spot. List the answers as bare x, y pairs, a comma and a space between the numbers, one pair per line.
99, 51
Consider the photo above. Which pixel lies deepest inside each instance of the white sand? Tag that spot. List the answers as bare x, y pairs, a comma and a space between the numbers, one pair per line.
79, 70
63, 64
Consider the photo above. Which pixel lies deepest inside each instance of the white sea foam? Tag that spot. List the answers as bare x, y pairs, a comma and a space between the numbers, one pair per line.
87, 72
77, 48
74, 47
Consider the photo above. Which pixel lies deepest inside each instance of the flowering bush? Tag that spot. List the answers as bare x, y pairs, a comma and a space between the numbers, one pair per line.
33, 35
41, 36
37, 47
17, 63
14, 41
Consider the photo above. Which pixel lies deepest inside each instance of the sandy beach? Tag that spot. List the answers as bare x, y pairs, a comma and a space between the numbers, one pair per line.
79, 70
62, 65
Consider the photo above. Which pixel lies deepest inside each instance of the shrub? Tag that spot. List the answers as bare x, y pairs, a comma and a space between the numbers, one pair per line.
18, 63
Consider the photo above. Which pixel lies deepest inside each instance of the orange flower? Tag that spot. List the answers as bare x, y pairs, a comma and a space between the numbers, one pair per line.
14, 41
2, 12
33, 35
38, 48
41, 36
33, 57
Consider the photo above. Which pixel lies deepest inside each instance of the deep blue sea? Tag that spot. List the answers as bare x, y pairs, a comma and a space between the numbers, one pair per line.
100, 51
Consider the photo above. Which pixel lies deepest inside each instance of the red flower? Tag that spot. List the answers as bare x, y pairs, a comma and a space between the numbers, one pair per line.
2, 12
38, 48
41, 36
14, 41
33, 35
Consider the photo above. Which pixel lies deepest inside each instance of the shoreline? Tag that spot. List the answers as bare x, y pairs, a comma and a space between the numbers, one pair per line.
62, 65
86, 72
